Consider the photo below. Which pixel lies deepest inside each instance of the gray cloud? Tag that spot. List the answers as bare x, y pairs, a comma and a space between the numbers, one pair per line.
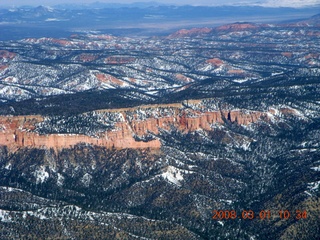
290, 3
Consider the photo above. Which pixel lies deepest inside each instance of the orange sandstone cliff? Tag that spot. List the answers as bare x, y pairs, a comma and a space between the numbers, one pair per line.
19, 131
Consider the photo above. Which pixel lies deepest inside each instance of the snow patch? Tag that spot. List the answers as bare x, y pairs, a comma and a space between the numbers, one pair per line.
241, 80
226, 201
86, 179
316, 168
152, 92
60, 180
173, 175
8, 166
276, 73
221, 223
41, 175
4, 216
10, 189
245, 146
314, 185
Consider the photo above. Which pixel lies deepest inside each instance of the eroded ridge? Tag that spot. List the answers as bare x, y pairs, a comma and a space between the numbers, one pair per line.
128, 127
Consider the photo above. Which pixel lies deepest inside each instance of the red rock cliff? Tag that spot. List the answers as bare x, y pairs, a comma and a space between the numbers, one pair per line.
19, 131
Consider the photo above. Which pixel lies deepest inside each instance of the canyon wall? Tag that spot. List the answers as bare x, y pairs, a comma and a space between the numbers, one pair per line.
20, 131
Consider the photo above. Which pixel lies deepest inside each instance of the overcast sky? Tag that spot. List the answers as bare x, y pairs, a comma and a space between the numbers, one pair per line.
269, 3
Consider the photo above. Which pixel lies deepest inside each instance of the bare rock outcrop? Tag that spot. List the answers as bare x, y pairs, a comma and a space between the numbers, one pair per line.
237, 27
19, 131
215, 62
4, 54
190, 32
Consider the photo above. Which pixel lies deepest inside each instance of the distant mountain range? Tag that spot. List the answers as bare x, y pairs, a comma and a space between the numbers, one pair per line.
144, 19
110, 5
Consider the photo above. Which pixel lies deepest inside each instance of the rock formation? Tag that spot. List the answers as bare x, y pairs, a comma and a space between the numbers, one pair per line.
215, 62
237, 27
190, 32
20, 131
4, 54
109, 79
